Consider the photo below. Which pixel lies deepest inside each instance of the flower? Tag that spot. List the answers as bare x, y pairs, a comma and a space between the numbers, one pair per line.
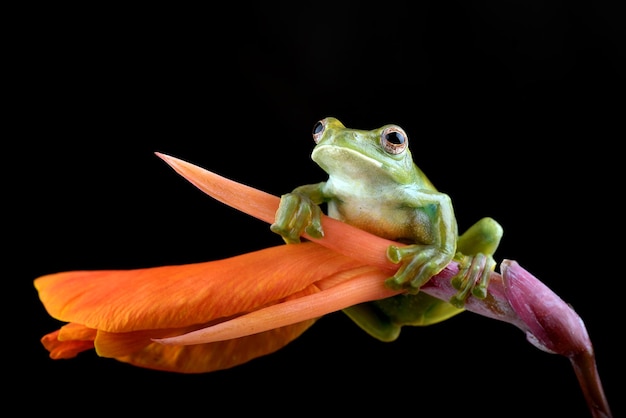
120, 312
214, 315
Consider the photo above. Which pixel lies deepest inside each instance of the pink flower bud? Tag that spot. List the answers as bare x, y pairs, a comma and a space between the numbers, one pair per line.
552, 325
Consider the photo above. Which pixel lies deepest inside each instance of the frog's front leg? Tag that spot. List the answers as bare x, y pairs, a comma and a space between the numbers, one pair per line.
419, 264
434, 233
299, 212
475, 249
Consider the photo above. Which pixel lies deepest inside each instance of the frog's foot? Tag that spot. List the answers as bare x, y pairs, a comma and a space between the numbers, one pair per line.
296, 214
419, 264
473, 276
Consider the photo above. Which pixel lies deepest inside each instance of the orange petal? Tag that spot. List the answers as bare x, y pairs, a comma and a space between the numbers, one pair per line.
120, 344
361, 284
343, 238
180, 296
203, 358
69, 340
138, 349
239, 196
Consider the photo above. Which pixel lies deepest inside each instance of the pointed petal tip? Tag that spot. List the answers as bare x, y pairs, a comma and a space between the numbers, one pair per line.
165, 157
163, 341
177, 163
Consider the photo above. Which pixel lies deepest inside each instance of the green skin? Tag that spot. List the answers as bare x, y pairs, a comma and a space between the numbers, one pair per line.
373, 184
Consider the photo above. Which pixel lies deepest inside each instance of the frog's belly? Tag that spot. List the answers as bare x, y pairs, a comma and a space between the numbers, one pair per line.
408, 225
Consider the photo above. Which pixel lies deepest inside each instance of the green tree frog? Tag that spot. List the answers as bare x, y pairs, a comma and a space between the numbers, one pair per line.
374, 184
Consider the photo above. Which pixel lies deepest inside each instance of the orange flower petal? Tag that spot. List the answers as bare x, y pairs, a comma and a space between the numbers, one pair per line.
203, 358
120, 344
361, 284
341, 237
138, 348
69, 340
180, 296
78, 332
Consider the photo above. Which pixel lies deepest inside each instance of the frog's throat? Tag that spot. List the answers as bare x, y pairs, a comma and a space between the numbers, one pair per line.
338, 153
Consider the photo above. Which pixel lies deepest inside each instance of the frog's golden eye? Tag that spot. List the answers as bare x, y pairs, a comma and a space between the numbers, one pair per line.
318, 130
394, 140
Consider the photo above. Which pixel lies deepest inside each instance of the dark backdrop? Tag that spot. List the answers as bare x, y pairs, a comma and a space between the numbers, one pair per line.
512, 108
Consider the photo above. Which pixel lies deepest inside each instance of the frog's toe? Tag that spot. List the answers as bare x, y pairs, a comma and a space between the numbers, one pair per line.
480, 290
394, 283
399, 280
403, 280
314, 228
458, 300
412, 276
395, 253
424, 274
473, 278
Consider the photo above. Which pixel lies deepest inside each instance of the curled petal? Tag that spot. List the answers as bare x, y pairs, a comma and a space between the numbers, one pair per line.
137, 349
69, 340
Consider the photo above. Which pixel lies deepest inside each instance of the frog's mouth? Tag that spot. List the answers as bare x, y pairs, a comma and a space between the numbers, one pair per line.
336, 159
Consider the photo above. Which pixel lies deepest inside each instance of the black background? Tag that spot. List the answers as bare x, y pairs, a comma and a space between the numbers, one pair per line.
512, 108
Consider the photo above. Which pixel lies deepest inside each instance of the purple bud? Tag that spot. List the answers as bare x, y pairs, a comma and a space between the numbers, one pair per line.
552, 325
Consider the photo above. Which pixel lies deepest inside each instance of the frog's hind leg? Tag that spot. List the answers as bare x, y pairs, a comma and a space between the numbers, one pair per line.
482, 237
373, 321
384, 318
475, 249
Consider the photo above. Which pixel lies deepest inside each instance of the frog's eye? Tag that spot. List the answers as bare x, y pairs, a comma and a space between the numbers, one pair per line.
394, 140
318, 130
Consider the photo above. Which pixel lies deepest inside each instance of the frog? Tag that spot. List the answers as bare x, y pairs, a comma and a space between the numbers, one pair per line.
374, 184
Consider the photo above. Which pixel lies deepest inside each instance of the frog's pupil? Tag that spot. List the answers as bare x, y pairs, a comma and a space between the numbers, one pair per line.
395, 138
317, 128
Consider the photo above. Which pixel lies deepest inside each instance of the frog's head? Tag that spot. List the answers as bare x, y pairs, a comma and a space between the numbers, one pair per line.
379, 155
